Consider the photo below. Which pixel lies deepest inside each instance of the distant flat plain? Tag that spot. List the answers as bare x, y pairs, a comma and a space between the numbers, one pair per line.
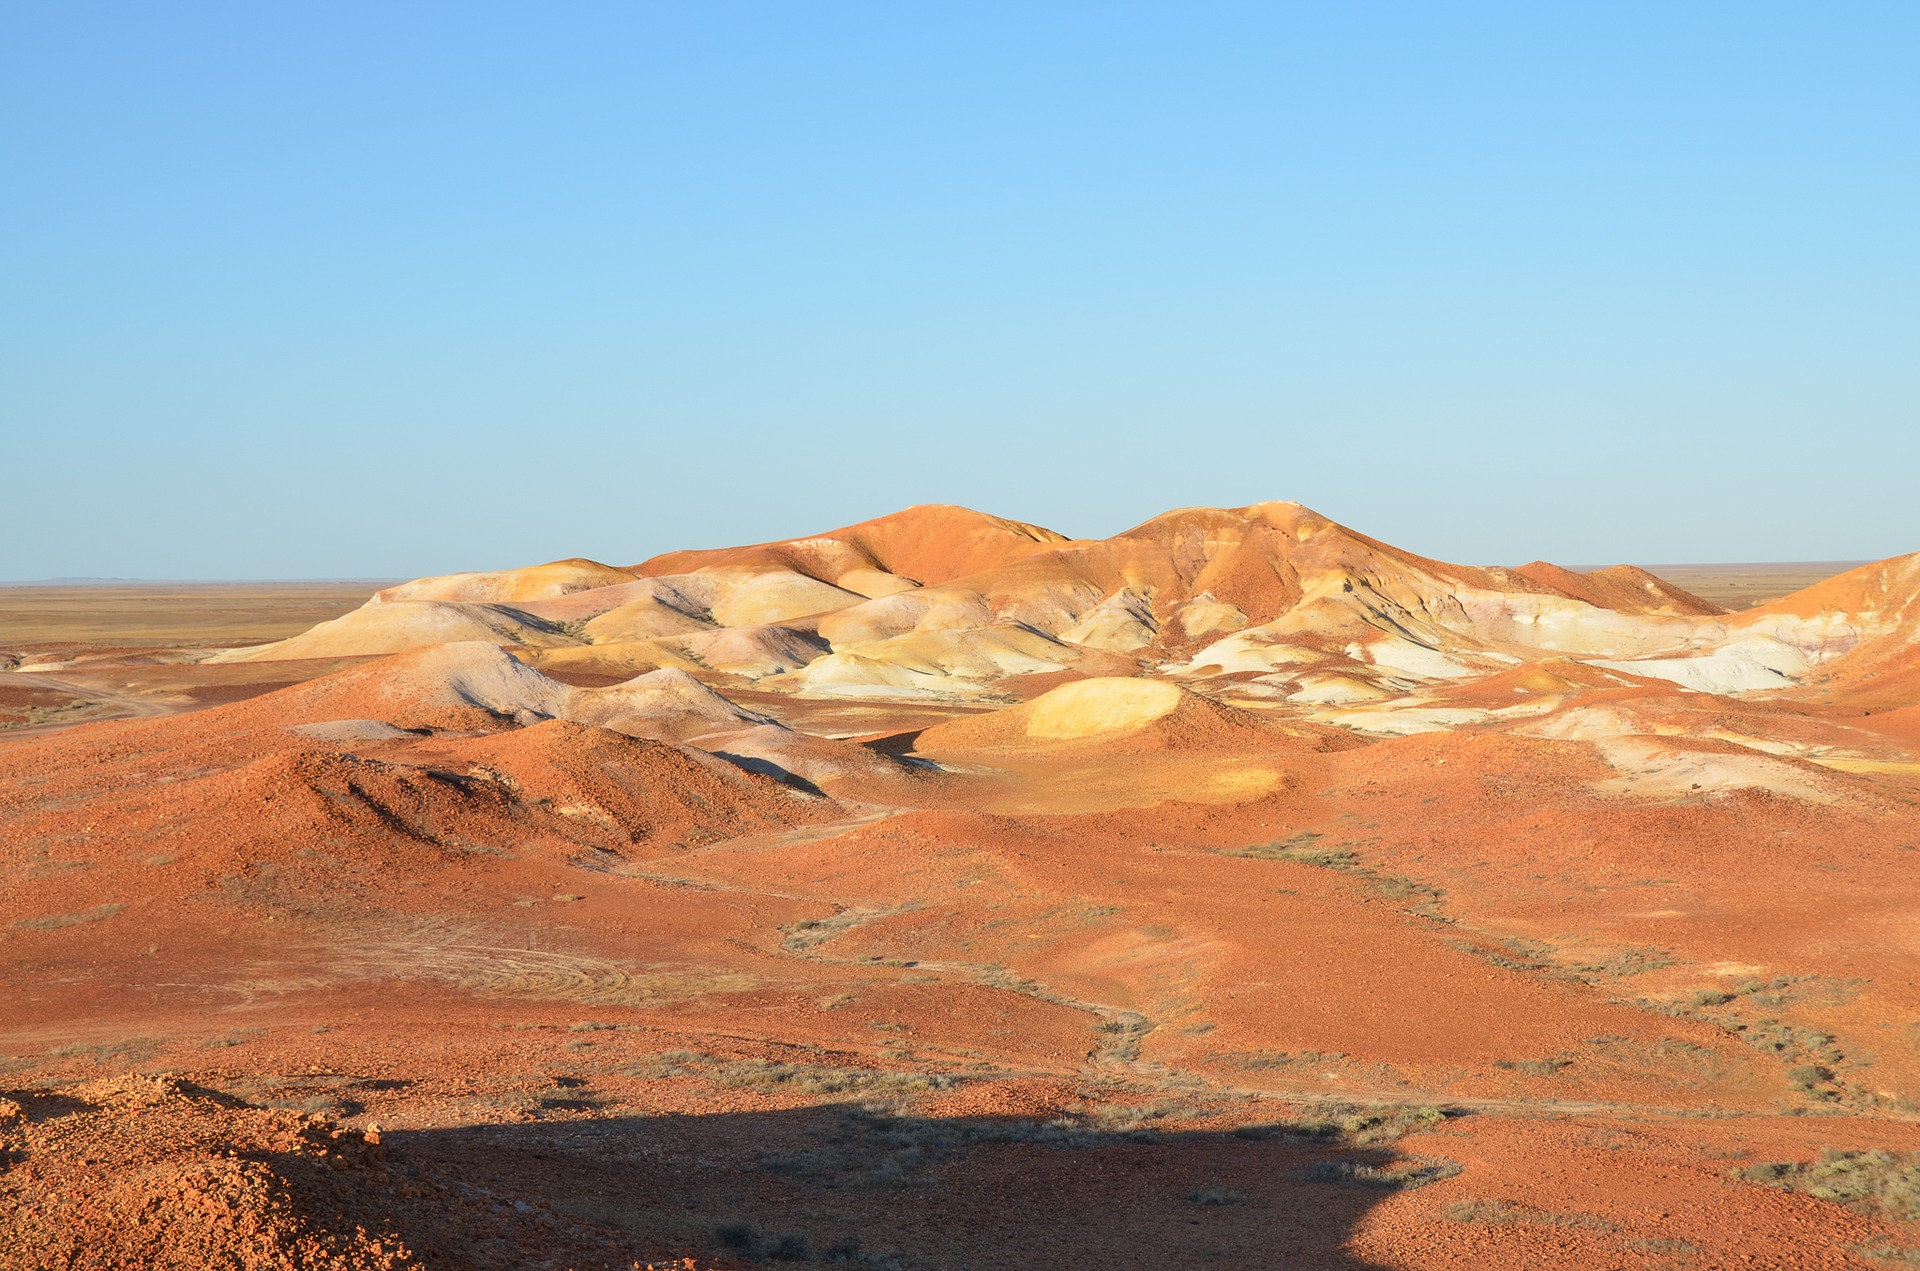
1742, 586
133, 614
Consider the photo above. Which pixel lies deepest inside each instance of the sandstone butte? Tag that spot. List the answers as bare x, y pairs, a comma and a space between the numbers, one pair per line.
943, 891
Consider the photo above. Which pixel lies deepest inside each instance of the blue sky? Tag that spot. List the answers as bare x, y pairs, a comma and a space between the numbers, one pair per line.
381, 290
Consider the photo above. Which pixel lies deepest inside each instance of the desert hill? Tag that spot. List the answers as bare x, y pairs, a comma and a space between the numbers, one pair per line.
920, 546
399, 625
1271, 601
511, 586
1863, 628
1625, 588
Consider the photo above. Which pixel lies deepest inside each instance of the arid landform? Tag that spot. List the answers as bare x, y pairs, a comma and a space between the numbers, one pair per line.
944, 892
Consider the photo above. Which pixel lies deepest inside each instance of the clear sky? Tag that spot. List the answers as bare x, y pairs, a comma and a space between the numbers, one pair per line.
293, 290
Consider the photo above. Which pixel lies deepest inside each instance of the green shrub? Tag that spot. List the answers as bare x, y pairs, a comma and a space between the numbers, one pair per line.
1533, 1067
1411, 1172
770, 1077
1873, 1182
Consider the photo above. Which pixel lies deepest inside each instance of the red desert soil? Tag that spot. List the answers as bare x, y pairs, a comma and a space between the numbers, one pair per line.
1237, 891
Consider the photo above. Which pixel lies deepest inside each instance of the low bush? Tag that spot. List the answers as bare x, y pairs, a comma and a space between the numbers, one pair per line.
1505, 1213
1873, 1182
1410, 1172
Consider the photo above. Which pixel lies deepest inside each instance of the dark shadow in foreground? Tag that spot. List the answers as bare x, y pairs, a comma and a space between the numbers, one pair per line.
844, 1186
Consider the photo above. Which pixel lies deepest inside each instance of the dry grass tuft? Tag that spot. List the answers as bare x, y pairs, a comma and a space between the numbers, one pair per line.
58, 921
1885, 1183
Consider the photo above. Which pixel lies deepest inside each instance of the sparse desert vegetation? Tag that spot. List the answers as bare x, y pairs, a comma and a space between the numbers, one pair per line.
639, 918
1877, 1181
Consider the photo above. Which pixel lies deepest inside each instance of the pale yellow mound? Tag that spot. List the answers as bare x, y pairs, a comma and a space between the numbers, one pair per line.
1125, 716
751, 598
396, 626
1089, 708
873, 582
934, 663
643, 619
510, 586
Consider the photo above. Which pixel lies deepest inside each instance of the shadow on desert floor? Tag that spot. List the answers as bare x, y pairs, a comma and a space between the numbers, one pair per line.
843, 1186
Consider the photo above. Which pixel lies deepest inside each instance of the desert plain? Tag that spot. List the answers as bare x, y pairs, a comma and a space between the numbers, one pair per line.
945, 892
